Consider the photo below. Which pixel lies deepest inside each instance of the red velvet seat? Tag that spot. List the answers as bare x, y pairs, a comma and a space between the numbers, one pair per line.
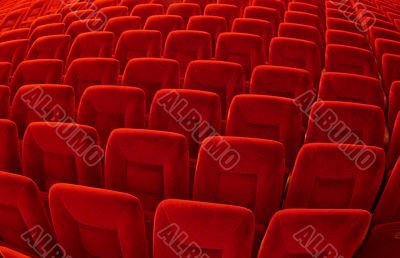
165, 24
185, 10
146, 10
227, 11
50, 47
9, 147
118, 25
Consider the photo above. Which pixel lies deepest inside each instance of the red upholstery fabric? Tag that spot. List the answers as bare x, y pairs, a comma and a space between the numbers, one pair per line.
346, 122
393, 151
109, 107
346, 38
337, 232
376, 32
13, 51
4, 100
40, 71
138, 43
46, 30
185, 10
214, 230
326, 176
386, 46
306, 8
247, 118
22, 213
165, 24
257, 27
131, 4
50, 47
85, 72
5, 72
195, 114
118, 25
255, 182
82, 26
146, 10
343, 24
394, 104
347, 59
9, 147
49, 156
263, 13
186, 46
241, 5
390, 66
351, 88
151, 75
41, 102
91, 44
46, 19
14, 34
214, 25
280, 6
242, 48
109, 12
108, 223
224, 78
13, 19
305, 19
296, 53
227, 11
201, 3
8, 253
77, 15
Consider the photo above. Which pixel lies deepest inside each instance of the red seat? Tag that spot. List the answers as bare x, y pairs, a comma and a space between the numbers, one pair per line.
223, 78
165, 24
46, 30
130, 4
352, 179
77, 16
118, 25
351, 88
185, 10
393, 151
305, 19
227, 11
13, 19
344, 25
138, 43
186, 46
5, 72
306, 8
46, 19
345, 122
10, 160
85, 72
213, 229
283, 124
280, 6
106, 108
82, 26
394, 103
151, 75
109, 12
263, 13
241, 5
390, 68
50, 47
13, 51
165, 3
385, 46
109, 223
346, 38
14, 34
201, 3
338, 232
9, 253
146, 10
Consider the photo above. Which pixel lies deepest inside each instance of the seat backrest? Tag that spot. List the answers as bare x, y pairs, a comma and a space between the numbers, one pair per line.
46, 30
151, 75
165, 24
263, 13
283, 124
339, 232
390, 68
50, 18
305, 18
13, 51
222, 228
109, 107
224, 78
352, 179
107, 13
9, 147
50, 47
394, 104
5, 72
82, 26
138, 43
118, 25
385, 46
345, 25
85, 72
154, 173
248, 173
14, 34
227, 11
347, 38
185, 10
146, 10
117, 230
345, 122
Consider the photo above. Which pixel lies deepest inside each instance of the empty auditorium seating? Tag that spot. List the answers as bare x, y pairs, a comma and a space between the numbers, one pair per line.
376, 32
138, 43
165, 24
351, 88
342, 24
347, 59
78, 15
280, 6
255, 179
257, 27
165, 3
109, 12
24, 218
263, 13
222, 228
337, 232
108, 107
10, 155
195, 114
46, 19
146, 10
186, 46
82, 26
5, 72
385, 46
9, 253
85, 72
283, 122
306, 8
50, 47
40, 71
242, 48
390, 66
214, 25
393, 151
394, 103
296, 53
304, 18
346, 38
346, 122
13, 19
13, 51
45, 30
280, 81
224, 78
383, 238
227, 11
151, 75
118, 25
131, 3
91, 44
352, 179
109, 223
185, 10
201, 3
14, 34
